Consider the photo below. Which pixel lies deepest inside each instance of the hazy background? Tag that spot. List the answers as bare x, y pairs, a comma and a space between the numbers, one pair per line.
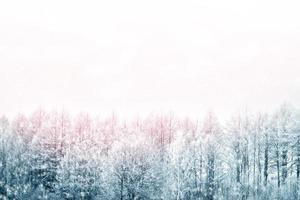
137, 57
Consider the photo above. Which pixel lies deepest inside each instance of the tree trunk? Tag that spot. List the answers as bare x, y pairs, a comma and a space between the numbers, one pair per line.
210, 177
284, 172
278, 166
266, 161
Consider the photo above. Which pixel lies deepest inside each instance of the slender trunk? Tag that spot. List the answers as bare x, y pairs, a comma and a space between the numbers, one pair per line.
254, 166
278, 166
238, 164
238, 173
210, 177
298, 159
121, 189
178, 181
266, 161
3, 176
195, 171
200, 173
284, 172
259, 182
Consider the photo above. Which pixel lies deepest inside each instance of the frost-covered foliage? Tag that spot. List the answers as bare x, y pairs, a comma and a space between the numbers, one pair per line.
54, 156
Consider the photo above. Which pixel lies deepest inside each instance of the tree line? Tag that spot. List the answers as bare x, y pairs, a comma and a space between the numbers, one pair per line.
51, 155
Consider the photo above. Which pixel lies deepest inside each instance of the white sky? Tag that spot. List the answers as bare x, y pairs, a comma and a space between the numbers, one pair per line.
134, 57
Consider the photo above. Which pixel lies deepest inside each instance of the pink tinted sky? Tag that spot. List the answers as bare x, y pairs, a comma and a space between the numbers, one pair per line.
135, 57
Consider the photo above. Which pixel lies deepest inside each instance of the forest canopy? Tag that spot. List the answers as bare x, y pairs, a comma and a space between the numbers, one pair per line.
51, 155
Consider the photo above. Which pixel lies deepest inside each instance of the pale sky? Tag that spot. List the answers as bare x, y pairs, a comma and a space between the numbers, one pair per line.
137, 57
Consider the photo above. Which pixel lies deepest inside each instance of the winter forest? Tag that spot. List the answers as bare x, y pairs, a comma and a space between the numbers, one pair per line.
52, 155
